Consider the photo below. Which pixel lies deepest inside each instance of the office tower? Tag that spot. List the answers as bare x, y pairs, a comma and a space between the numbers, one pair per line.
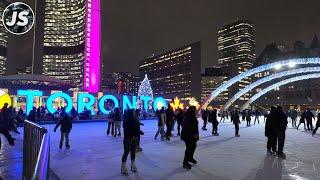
72, 42
236, 48
3, 41
175, 72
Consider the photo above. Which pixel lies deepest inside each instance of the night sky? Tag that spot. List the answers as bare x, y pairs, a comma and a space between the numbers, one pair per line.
132, 30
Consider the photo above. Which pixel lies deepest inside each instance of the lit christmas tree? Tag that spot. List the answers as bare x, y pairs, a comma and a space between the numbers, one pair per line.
145, 90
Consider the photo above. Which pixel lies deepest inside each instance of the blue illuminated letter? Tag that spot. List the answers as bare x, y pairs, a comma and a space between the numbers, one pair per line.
103, 99
53, 96
127, 104
29, 98
159, 100
145, 99
88, 105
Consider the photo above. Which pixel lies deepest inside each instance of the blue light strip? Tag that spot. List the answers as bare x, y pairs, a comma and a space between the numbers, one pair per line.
266, 79
272, 87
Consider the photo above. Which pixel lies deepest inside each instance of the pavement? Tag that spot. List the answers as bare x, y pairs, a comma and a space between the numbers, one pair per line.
94, 155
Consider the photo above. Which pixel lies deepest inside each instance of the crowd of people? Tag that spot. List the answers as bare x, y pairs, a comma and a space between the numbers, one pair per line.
185, 120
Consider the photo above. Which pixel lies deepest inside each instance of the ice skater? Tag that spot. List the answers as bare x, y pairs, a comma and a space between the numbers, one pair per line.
190, 135
309, 116
235, 118
248, 118
161, 122
110, 123
280, 127
257, 116
137, 116
130, 141
117, 122
302, 121
66, 125
179, 117
293, 116
317, 125
213, 119
204, 116
223, 116
270, 132
169, 121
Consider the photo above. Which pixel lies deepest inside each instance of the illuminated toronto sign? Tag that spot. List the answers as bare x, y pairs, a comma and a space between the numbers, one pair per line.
91, 81
87, 101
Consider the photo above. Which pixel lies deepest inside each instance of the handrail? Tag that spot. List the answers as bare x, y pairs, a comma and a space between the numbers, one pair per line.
36, 152
42, 167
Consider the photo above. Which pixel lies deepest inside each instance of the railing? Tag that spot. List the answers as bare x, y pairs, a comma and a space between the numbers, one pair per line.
36, 152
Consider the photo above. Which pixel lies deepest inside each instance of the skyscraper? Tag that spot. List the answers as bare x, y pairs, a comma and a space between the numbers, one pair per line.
3, 41
175, 72
72, 42
236, 47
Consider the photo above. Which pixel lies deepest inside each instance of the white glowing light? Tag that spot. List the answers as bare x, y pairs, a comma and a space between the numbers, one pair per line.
292, 64
278, 66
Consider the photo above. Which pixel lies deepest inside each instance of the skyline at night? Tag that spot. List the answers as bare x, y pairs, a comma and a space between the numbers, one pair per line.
132, 31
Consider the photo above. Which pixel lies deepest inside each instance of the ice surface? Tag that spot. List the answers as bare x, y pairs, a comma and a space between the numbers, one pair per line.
93, 155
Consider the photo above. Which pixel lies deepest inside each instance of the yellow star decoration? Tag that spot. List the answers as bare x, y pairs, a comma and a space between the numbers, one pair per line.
193, 102
176, 104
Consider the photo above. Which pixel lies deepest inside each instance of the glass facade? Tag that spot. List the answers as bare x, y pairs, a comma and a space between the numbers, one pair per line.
236, 47
175, 73
64, 30
3, 42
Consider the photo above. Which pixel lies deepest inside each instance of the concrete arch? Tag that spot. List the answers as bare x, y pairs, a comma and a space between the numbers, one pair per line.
266, 79
262, 68
284, 82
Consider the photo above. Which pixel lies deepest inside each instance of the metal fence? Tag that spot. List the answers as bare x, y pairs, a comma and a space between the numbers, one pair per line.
36, 152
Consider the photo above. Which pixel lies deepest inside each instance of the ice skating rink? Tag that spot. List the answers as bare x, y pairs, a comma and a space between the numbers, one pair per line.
93, 155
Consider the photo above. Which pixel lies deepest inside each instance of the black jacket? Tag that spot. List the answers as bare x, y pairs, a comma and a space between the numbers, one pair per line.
280, 122
190, 131
131, 127
65, 122
269, 131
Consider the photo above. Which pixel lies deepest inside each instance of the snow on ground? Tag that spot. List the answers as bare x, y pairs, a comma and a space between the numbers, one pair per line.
93, 155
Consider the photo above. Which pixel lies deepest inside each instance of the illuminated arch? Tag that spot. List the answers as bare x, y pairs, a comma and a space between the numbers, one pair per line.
266, 79
284, 82
262, 68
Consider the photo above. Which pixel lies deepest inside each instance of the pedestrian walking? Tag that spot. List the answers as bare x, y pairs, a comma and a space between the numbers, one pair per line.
66, 125
190, 135
130, 141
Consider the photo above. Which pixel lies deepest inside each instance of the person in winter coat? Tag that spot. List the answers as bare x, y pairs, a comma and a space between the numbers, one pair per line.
309, 116
66, 125
248, 118
4, 126
270, 132
213, 119
130, 140
317, 125
204, 116
161, 122
137, 116
302, 121
179, 120
117, 122
235, 118
280, 126
110, 123
190, 135
169, 122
